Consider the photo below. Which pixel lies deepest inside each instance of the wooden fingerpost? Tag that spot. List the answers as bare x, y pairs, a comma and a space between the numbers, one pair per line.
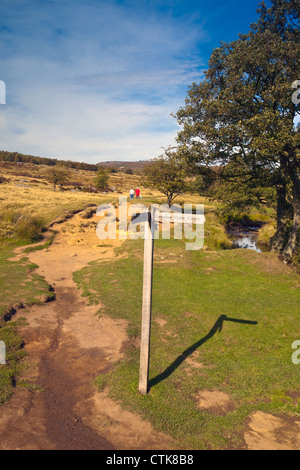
147, 303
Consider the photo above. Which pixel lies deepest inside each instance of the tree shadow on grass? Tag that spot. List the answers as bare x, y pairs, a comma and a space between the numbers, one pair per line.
179, 360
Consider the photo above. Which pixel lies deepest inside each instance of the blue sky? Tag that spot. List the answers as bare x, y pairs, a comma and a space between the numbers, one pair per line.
97, 80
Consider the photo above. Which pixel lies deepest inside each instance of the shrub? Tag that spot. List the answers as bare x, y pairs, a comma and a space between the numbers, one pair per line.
101, 179
11, 216
265, 234
215, 237
29, 227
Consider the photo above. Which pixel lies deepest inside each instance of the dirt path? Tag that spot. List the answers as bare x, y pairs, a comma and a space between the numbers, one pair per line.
68, 346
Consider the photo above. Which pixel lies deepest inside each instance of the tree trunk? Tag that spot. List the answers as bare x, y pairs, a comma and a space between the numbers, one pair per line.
293, 241
169, 199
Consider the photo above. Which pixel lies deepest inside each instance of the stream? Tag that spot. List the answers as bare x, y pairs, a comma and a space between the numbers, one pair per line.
245, 239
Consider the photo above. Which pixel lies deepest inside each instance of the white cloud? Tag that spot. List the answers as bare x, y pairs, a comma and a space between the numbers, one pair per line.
94, 81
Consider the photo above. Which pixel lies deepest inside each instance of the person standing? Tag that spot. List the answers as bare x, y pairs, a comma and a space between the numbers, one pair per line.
131, 193
137, 193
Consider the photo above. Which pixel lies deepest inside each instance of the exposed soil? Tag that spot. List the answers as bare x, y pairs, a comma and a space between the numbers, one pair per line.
68, 346
268, 432
263, 431
216, 402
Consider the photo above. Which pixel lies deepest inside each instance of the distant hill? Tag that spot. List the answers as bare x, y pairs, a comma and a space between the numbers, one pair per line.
118, 165
16, 157
19, 158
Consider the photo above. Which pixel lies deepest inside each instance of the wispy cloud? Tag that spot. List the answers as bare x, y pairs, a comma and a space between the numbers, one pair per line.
95, 80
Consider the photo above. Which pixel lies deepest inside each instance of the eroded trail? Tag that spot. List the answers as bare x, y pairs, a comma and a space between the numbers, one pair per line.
68, 346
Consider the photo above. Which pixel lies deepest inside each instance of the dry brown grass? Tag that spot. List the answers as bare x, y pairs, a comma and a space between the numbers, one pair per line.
28, 192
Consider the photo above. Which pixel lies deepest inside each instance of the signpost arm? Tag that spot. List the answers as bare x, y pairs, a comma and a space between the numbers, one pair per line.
147, 300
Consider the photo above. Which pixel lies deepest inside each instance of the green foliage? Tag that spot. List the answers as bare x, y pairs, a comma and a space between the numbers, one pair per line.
101, 179
234, 192
57, 174
166, 174
242, 114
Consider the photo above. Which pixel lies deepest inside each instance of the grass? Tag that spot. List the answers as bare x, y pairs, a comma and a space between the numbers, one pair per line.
43, 246
16, 225
215, 236
265, 234
222, 320
265, 215
19, 283
14, 354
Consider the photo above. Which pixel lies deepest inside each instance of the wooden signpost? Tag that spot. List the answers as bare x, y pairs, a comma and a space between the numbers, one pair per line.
178, 217
147, 303
150, 217
2, 353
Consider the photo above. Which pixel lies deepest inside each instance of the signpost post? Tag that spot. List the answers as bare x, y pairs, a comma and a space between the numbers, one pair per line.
151, 216
147, 303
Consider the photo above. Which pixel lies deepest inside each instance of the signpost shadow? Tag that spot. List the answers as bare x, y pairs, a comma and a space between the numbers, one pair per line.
183, 356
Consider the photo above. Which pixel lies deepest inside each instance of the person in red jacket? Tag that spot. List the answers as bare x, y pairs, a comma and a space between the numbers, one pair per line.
137, 193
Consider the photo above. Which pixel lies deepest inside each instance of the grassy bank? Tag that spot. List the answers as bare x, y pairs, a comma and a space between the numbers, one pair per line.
20, 287
14, 354
223, 322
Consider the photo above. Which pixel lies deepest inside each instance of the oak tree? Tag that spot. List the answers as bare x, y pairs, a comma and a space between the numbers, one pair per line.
165, 174
242, 112
57, 174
